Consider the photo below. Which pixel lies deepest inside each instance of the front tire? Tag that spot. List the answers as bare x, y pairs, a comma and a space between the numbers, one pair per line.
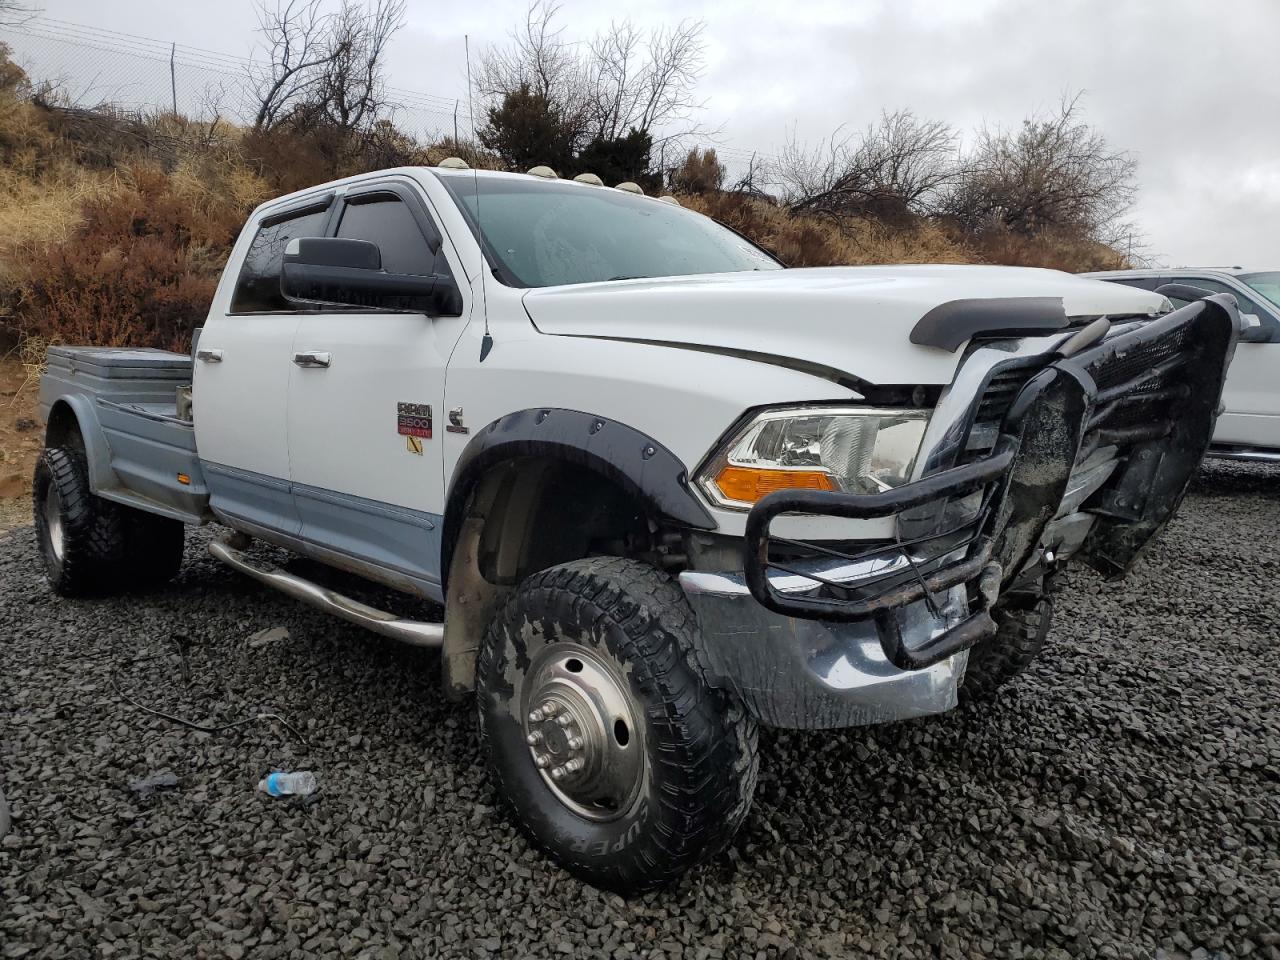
615, 755
1020, 636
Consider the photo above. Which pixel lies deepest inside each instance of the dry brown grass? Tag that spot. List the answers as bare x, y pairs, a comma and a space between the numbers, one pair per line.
19, 448
1048, 249
820, 242
140, 267
114, 228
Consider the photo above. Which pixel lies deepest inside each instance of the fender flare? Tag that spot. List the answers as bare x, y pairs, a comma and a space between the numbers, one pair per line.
79, 409
635, 461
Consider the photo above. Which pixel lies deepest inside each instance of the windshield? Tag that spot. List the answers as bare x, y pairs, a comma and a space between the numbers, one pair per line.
1267, 284
542, 233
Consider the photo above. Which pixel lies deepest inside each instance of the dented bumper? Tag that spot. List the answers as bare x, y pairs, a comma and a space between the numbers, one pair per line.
817, 674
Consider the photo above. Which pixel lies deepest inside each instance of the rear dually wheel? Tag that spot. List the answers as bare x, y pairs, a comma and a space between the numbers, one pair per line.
91, 545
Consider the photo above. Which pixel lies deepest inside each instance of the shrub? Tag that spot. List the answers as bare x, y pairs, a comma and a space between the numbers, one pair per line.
1059, 249
701, 172
619, 159
140, 269
812, 242
527, 129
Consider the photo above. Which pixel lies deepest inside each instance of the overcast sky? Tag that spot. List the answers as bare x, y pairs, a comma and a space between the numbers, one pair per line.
1190, 87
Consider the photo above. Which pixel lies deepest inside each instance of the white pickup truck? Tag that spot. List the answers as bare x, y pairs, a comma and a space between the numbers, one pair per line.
665, 489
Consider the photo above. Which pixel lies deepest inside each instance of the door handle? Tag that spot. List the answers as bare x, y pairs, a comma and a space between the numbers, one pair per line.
209, 356
313, 358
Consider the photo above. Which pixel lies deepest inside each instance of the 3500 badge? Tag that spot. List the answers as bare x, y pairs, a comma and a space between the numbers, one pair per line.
414, 420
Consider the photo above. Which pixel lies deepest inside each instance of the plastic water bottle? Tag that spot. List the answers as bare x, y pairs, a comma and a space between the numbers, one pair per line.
299, 784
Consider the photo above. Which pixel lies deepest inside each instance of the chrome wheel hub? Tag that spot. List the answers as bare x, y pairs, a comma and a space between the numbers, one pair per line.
53, 521
582, 731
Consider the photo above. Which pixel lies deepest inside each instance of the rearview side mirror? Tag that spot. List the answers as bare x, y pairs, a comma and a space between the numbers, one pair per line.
1253, 330
331, 270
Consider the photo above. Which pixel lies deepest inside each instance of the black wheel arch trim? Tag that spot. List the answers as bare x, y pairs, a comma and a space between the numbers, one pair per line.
629, 457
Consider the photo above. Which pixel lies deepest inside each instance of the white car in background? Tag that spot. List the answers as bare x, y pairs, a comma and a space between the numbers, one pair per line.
1249, 429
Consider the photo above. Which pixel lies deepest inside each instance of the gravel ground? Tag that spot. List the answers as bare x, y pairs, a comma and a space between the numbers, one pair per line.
1123, 800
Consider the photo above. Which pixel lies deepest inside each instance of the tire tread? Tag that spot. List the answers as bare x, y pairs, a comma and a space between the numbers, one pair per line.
1018, 641
710, 778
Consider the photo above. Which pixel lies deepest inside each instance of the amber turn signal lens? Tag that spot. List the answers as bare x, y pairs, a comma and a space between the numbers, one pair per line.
184, 479
750, 484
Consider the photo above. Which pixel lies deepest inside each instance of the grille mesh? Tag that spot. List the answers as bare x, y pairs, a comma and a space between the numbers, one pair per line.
1113, 371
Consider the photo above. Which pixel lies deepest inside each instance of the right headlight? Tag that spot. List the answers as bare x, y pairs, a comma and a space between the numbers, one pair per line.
849, 449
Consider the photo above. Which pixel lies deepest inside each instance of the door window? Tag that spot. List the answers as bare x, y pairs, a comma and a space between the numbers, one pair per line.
1142, 283
1217, 286
386, 220
258, 287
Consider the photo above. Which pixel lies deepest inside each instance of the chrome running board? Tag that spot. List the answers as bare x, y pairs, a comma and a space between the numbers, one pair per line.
1243, 453
417, 632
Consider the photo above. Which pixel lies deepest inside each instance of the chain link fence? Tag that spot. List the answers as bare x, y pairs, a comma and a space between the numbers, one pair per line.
93, 66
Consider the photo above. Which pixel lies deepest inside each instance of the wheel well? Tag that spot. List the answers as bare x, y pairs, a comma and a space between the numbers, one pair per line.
540, 512
63, 428
526, 514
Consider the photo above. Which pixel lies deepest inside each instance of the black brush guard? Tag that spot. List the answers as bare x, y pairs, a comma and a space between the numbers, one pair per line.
1153, 393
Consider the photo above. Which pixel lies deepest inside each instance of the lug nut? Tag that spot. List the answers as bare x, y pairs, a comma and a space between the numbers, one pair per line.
541, 761
575, 743
535, 716
574, 765
564, 720
559, 773
534, 738
549, 709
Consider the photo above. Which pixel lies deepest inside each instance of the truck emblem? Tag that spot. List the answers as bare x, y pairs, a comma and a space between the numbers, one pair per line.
414, 420
455, 422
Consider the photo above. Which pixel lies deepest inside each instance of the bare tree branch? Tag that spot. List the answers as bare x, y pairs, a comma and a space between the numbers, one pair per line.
620, 80
325, 67
1054, 172
895, 168
13, 13
540, 59
294, 33
351, 90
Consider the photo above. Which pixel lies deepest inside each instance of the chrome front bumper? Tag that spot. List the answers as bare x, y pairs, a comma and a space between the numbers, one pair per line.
819, 674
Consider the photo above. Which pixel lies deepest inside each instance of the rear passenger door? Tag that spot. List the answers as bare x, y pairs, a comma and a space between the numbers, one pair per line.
365, 399
241, 378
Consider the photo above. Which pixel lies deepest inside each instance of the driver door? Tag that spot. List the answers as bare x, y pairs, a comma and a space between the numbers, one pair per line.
365, 418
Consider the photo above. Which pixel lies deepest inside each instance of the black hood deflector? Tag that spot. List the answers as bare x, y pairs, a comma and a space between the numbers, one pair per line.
950, 325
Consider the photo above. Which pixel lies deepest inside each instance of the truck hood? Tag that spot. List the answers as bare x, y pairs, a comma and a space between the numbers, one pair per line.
854, 321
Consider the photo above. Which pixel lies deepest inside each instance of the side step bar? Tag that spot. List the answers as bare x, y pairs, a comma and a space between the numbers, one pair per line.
1243, 453
417, 632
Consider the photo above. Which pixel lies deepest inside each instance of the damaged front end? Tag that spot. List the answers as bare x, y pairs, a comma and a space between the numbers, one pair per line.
1091, 451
